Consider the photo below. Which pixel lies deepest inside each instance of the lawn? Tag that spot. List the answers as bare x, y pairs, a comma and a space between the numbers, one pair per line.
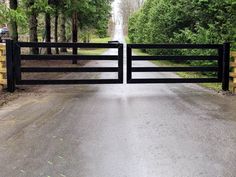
95, 51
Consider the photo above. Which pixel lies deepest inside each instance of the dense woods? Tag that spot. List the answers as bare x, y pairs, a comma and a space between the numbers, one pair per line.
56, 20
181, 21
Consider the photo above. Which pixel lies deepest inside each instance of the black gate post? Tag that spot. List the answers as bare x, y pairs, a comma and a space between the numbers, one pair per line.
129, 63
120, 63
75, 52
10, 66
226, 60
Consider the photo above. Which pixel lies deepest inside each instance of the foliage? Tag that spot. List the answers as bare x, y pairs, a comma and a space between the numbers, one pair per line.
8, 14
181, 21
184, 21
93, 15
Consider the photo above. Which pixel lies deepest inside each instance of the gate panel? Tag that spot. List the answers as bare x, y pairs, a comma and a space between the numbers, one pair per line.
222, 59
15, 58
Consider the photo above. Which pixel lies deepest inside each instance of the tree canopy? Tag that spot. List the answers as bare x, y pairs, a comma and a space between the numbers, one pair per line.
92, 14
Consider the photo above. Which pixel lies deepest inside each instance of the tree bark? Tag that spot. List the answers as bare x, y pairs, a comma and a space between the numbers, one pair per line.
63, 30
13, 23
33, 25
56, 30
48, 31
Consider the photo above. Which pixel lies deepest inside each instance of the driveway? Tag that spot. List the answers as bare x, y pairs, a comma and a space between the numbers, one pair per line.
155, 130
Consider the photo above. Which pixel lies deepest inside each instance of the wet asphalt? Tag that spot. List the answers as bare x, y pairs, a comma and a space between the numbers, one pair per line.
158, 130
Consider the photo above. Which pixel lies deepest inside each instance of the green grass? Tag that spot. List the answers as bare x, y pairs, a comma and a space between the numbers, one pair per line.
95, 51
127, 40
91, 51
214, 86
100, 40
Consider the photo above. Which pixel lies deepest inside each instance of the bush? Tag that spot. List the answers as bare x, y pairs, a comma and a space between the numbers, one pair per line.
184, 21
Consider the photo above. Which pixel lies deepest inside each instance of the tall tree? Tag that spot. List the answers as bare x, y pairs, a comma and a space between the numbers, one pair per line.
75, 29
13, 23
56, 28
33, 24
48, 28
63, 30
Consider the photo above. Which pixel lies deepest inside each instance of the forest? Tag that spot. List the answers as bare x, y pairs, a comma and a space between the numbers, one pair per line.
57, 20
184, 21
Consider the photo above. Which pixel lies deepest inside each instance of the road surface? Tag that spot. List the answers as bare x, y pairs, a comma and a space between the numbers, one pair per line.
124, 130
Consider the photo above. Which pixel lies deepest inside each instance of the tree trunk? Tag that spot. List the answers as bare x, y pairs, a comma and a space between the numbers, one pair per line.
48, 31
56, 30
75, 33
33, 24
63, 30
13, 23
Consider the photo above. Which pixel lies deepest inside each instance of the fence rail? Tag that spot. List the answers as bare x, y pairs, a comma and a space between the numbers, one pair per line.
3, 71
233, 73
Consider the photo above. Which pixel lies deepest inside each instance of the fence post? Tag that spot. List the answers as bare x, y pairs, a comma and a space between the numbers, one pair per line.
226, 58
10, 66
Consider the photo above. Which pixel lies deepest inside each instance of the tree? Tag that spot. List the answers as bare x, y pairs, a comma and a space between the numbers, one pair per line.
56, 5
181, 21
33, 25
13, 22
34, 7
63, 30
12, 16
127, 8
48, 28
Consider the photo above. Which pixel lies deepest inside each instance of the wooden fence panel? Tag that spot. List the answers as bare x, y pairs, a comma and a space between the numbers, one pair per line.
3, 80
233, 73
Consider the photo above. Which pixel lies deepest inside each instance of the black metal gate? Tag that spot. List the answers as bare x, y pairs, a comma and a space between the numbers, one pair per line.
15, 69
222, 59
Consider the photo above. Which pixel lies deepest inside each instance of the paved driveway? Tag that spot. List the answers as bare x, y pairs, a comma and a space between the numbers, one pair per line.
119, 131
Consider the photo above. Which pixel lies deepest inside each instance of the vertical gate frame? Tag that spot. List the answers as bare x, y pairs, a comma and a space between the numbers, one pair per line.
226, 61
11, 85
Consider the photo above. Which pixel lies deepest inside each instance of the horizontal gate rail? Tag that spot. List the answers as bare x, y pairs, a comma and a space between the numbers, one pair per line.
67, 69
174, 80
221, 58
68, 82
175, 46
15, 68
176, 58
69, 57
174, 69
68, 45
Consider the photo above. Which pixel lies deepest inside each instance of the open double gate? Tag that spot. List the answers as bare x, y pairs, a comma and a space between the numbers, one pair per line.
15, 68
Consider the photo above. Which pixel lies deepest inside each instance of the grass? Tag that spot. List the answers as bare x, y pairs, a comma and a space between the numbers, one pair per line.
214, 86
95, 51
100, 40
